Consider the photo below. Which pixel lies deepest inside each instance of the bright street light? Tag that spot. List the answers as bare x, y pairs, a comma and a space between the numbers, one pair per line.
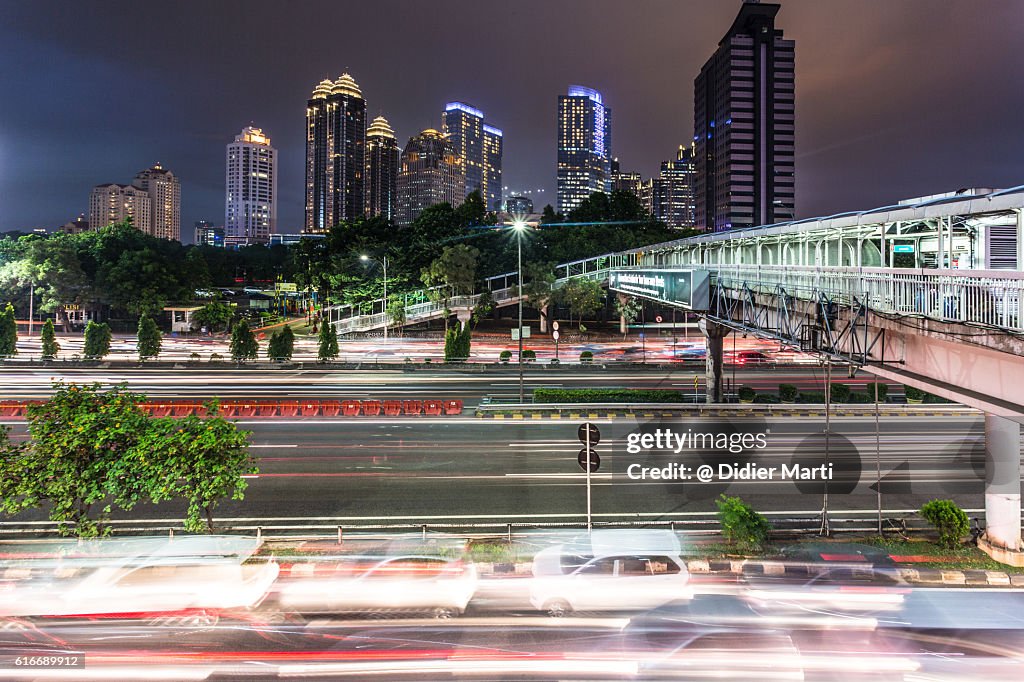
384, 263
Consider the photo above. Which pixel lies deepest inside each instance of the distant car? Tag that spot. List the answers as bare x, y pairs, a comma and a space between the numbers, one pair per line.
750, 357
252, 290
204, 293
402, 584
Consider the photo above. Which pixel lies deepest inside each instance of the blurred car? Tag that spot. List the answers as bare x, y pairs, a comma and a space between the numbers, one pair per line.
748, 357
414, 584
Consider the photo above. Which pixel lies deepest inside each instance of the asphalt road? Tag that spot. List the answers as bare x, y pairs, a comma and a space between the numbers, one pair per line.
468, 383
464, 469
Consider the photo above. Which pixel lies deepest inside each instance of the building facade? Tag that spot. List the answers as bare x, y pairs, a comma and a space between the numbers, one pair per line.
164, 200
208, 234
250, 212
335, 154
76, 226
519, 206
625, 181
114, 203
429, 173
673, 195
381, 169
584, 146
478, 148
743, 125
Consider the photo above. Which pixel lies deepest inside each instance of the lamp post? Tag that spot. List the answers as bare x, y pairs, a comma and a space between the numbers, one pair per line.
384, 264
519, 226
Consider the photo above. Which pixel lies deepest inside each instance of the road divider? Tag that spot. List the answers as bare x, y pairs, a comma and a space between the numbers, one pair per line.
248, 408
642, 411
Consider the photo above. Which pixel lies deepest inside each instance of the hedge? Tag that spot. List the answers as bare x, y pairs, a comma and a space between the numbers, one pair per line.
607, 395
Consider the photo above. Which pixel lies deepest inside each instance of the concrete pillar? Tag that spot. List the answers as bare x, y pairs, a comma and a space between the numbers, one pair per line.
715, 335
623, 323
1002, 482
463, 315
544, 319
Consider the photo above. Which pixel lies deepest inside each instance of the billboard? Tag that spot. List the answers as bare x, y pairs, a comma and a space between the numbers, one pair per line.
687, 288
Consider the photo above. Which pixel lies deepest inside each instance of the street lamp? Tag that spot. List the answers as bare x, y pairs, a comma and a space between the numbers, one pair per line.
384, 263
519, 225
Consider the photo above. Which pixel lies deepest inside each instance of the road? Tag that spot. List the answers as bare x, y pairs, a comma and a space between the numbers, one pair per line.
433, 471
468, 383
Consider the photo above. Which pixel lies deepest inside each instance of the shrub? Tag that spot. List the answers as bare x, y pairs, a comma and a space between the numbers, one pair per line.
214, 357
505, 356
97, 340
194, 356
746, 393
741, 525
913, 393
553, 361
949, 519
766, 399
788, 393
839, 393
883, 390
529, 355
586, 357
931, 399
606, 395
861, 398
811, 397
48, 338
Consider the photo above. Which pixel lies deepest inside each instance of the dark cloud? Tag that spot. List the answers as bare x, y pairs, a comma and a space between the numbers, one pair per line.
894, 99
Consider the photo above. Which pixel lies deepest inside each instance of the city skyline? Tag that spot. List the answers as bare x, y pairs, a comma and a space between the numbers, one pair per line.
857, 144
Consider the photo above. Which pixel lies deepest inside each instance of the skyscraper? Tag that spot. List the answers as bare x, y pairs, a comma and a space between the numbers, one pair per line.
114, 203
430, 173
625, 181
381, 169
743, 125
672, 196
478, 148
251, 180
335, 154
584, 146
164, 200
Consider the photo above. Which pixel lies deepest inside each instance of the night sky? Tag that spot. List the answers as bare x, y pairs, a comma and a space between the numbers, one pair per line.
895, 98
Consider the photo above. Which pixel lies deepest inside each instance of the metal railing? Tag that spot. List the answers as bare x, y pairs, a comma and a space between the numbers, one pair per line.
421, 312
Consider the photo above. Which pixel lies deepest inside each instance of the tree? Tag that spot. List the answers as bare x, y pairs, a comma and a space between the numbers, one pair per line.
457, 343
8, 332
48, 337
328, 346
455, 267
948, 518
243, 344
97, 340
282, 344
549, 216
628, 308
214, 315
83, 457
204, 460
741, 525
538, 286
396, 313
581, 296
149, 338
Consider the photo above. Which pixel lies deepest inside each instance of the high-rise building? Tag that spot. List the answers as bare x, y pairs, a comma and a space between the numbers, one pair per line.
250, 213
381, 169
429, 173
625, 181
164, 201
519, 206
584, 146
478, 148
114, 203
672, 198
743, 125
208, 234
335, 154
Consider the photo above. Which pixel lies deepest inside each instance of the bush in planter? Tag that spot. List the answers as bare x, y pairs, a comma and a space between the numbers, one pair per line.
788, 393
529, 355
741, 525
883, 390
586, 357
746, 394
913, 394
553, 361
505, 356
840, 393
949, 519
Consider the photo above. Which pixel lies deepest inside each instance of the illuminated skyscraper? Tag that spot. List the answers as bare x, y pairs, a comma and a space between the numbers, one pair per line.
335, 154
430, 173
114, 203
584, 146
164, 201
478, 148
672, 197
743, 125
381, 169
250, 214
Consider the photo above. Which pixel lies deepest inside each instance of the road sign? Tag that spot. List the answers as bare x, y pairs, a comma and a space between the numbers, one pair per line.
589, 460
595, 433
658, 318
526, 333
554, 325
554, 335
903, 248
695, 380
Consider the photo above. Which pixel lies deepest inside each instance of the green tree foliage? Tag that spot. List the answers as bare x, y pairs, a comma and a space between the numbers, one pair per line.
8, 332
455, 267
457, 343
538, 283
548, 216
581, 296
741, 525
215, 315
327, 348
628, 308
243, 344
484, 307
948, 518
83, 457
396, 312
149, 338
48, 338
282, 344
97, 340
204, 460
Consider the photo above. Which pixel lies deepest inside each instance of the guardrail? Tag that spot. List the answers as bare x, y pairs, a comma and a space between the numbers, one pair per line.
698, 410
242, 408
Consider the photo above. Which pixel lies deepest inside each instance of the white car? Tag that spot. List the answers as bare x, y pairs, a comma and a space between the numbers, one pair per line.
613, 582
413, 584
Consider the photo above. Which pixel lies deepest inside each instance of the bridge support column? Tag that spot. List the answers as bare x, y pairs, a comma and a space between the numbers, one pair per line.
1002, 539
544, 319
623, 323
715, 334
